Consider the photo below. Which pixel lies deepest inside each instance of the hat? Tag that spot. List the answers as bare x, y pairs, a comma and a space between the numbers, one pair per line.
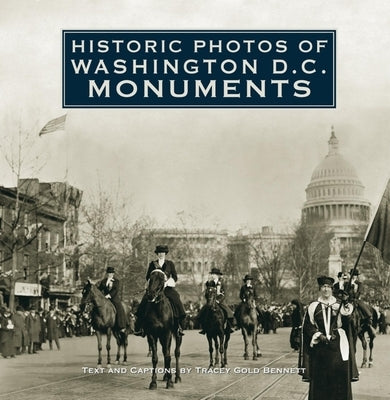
354, 272
161, 249
110, 270
32, 308
295, 301
325, 280
19, 308
216, 271
247, 278
339, 275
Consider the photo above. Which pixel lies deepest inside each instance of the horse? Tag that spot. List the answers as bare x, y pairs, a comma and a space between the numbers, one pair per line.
360, 326
159, 325
103, 319
247, 320
214, 324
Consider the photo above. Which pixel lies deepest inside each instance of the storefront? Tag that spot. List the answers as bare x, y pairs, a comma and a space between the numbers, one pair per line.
28, 294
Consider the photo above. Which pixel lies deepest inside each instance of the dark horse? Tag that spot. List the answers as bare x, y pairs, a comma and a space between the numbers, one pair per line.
214, 324
159, 325
361, 327
103, 317
247, 320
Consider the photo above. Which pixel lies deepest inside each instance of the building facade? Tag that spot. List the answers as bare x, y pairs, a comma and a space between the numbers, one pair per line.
39, 233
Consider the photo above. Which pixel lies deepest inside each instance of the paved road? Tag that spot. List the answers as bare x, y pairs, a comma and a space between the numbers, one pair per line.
70, 373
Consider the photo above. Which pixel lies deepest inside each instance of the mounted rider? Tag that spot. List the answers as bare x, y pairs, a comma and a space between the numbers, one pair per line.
343, 290
168, 267
248, 285
217, 282
354, 292
110, 286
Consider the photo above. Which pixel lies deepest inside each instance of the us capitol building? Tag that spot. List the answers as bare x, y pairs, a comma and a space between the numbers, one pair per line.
335, 195
334, 198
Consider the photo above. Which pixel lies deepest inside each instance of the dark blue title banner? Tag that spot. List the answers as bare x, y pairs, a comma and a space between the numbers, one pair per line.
209, 69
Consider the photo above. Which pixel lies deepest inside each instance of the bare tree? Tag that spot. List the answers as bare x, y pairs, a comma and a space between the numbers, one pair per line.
18, 152
112, 236
270, 258
308, 257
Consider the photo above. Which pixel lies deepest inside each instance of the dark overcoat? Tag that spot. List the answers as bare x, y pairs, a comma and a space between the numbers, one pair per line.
20, 331
52, 324
33, 325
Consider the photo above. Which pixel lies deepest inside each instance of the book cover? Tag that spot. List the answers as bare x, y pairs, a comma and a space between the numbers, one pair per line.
221, 155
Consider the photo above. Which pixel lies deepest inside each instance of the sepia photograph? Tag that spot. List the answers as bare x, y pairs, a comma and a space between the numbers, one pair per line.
212, 224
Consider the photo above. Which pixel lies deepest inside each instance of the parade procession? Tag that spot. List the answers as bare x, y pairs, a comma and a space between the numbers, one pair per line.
194, 200
216, 328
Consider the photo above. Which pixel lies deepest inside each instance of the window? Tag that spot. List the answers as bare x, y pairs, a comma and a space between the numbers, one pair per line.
39, 238
47, 241
26, 219
25, 266
56, 240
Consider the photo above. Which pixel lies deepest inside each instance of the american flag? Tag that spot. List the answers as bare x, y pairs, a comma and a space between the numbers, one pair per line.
56, 124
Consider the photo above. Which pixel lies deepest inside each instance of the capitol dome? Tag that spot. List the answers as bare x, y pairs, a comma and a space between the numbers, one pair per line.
335, 192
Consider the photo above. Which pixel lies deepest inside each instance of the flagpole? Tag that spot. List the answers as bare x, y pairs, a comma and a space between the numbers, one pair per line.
361, 250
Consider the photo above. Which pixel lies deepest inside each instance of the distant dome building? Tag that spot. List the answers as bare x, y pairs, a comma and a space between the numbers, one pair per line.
335, 196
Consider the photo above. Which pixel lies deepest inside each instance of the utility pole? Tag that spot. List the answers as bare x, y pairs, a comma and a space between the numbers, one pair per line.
15, 230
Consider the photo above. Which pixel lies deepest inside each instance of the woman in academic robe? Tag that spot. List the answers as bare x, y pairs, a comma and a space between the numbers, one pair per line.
327, 354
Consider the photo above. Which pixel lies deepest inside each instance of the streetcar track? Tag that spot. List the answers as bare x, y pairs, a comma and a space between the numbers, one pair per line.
212, 395
135, 381
43, 385
268, 387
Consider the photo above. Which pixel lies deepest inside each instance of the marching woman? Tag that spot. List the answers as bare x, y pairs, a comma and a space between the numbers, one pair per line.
296, 322
7, 345
327, 356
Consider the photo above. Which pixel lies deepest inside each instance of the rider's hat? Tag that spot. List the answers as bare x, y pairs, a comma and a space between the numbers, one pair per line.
161, 249
325, 280
216, 271
248, 278
110, 270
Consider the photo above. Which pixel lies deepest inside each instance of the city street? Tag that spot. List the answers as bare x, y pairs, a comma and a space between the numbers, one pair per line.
71, 372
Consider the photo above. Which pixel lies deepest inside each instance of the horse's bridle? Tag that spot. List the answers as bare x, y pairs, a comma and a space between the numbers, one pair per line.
88, 304
249, 299
157, 298
211, 289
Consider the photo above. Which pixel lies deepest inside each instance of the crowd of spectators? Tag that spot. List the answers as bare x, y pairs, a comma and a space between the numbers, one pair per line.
28, 331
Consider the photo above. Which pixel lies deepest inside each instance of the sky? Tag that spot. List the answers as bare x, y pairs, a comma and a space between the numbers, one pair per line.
230, 168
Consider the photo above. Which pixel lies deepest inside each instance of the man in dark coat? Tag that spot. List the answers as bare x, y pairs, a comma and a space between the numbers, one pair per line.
52, 323
110, 287
33, 324
168, 267
20, 332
